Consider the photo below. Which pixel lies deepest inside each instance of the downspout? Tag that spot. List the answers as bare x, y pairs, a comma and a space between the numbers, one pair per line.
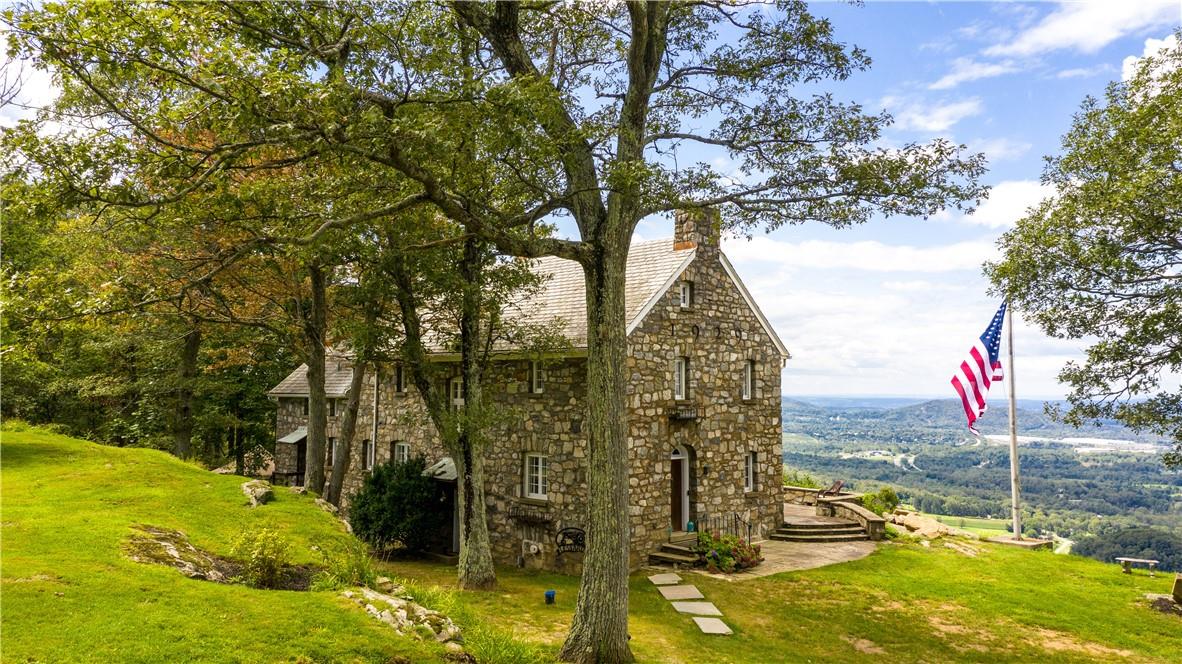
377, 372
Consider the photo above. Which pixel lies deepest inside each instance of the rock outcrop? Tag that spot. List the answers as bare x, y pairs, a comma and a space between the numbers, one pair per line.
161, 546
395, 607
258, 492
924, 526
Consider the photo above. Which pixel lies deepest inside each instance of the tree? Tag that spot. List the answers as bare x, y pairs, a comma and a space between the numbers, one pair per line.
1102, 257
570, 110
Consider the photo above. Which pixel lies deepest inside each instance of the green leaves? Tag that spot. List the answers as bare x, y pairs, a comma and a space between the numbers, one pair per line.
1102, 258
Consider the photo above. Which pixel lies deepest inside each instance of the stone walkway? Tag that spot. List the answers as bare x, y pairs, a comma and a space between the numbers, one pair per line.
703, 612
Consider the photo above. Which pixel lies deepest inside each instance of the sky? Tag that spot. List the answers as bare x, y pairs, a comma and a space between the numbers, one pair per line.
892, 307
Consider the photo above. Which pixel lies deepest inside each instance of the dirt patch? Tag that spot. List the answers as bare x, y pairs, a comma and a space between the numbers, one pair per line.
864, 646
1053, 641
161, 546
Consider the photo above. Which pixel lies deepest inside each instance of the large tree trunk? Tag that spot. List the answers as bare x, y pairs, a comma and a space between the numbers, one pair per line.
599, 631
182, 432
315, 324
475, 567
344, 445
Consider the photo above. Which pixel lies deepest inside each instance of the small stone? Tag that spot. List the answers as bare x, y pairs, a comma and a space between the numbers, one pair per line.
699, 608
712, 626
664, 579
452, 646
680, 592
298, 490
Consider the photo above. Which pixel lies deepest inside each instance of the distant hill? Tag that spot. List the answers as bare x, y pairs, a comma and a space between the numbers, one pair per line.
940, 417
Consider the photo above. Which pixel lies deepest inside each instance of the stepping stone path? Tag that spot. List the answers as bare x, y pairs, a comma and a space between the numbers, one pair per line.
667, 584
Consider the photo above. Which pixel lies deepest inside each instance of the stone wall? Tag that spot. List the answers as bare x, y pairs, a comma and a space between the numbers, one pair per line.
719, 333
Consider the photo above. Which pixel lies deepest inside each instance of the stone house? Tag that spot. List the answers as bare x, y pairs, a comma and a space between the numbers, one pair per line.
703, 408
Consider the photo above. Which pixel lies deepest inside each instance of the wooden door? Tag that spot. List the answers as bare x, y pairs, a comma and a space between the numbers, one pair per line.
677, 491
301, 461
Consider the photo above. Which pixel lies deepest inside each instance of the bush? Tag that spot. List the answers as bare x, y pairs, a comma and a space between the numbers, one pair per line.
264, 556
398, 505
345, 566
886, 500
728, 553
801, 479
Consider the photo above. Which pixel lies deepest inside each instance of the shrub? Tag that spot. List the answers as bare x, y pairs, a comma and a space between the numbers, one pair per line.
264, 556
793, 477
345, 566
886, 500
398, 505
728, 553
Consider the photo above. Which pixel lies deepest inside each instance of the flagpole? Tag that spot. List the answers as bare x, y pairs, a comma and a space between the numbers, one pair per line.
1009, 371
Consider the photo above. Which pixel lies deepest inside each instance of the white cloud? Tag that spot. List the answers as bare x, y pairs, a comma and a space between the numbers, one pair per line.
1086, 72
1152, 47
967, 69
913, 115
1007, 203
864, 255
1000, 149
1088, 26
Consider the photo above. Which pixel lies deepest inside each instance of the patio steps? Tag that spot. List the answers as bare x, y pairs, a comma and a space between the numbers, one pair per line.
820, 532
672, 553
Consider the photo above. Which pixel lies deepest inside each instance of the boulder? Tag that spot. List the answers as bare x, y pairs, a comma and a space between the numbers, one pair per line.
161, 546
327, 506
258, 492
298, 490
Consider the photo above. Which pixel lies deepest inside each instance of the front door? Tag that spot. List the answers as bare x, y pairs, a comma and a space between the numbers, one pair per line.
301, 462
678, 493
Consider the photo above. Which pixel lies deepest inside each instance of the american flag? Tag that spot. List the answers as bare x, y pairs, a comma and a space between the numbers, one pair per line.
980, 370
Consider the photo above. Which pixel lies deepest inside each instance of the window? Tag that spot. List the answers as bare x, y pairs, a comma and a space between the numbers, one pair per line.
366, 455
332, 451
681, 378
537, 377
399, 452
306, 406
686, 294
399, 379
332, 407
537, 471
748, 379
457, 392
749, 466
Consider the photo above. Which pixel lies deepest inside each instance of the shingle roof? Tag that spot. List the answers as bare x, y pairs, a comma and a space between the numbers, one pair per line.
337, 376
652, 267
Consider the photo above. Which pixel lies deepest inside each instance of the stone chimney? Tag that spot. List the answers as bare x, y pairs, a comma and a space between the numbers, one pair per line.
697, 227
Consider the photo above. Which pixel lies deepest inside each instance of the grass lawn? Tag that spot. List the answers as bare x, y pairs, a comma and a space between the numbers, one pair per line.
70, 595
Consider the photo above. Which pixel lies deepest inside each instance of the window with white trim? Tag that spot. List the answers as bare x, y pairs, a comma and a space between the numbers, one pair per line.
686, 294
399, 379
748, 379
399, 452
537, 476
457, 392
537, 377
367, 448
681, 378
750, 465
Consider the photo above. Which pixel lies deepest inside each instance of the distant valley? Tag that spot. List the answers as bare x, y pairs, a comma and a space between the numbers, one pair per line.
1075, 482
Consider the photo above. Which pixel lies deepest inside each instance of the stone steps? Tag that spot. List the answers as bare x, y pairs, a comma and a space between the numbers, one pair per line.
674, 554
852, 537
843, 531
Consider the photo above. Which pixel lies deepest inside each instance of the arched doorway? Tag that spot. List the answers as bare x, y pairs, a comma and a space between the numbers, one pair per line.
679, 488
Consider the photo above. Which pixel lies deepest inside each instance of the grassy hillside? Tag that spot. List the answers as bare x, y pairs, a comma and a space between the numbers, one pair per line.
70, 595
